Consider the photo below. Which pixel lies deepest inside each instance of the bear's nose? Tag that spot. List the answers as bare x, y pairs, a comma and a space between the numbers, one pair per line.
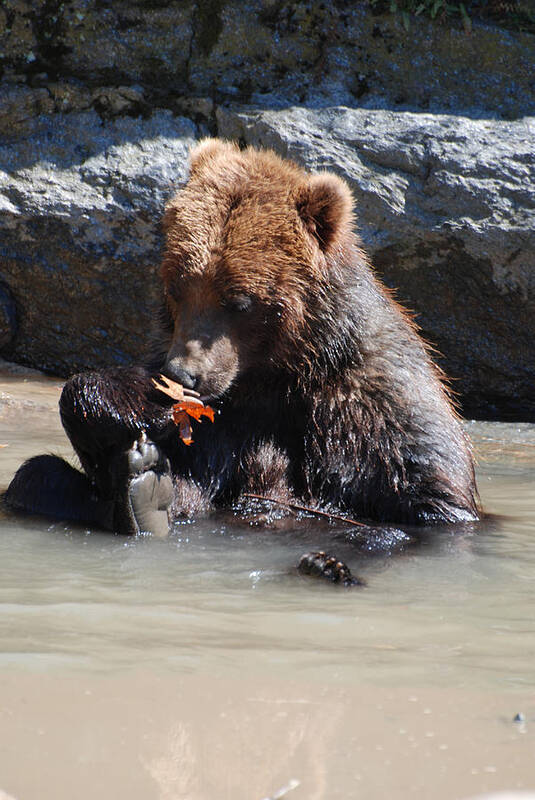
176, 372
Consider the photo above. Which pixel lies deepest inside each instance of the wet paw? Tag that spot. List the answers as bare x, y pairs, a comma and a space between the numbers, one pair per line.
321, 565
145, 491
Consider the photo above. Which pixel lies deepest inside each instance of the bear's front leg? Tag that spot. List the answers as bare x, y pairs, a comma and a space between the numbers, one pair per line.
105, 411
109, 417
127, 486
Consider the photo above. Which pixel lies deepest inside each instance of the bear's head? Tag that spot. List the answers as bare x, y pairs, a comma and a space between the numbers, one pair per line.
252, 252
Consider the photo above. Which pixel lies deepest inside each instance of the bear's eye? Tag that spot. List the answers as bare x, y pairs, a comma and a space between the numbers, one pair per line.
239, 303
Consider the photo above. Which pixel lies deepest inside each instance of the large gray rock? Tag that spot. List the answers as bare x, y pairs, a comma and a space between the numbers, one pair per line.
265, 51
80, 239
88, 157
446, 207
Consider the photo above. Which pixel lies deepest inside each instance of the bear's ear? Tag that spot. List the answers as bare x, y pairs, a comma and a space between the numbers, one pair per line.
326, 207
207, 149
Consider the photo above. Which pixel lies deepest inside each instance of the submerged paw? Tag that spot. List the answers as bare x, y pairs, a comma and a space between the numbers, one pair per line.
321, 565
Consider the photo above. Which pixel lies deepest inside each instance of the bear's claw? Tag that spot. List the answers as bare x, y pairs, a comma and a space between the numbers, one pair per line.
321, 565
145, 490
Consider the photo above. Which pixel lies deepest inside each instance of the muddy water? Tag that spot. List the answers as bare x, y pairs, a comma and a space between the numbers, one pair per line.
201, 667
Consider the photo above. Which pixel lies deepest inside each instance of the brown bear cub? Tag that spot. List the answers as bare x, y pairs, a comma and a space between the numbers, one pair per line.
273, 315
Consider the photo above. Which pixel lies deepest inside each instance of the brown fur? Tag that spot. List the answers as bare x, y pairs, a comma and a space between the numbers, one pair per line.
247, 224
276, 310
325, 392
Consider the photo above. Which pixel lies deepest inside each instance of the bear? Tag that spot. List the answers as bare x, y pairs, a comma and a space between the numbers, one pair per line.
325, 392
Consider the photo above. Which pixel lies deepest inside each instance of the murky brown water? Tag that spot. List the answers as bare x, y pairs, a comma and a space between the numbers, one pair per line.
200, 668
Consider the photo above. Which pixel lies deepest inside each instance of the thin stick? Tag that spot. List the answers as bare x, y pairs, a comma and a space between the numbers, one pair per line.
297, 507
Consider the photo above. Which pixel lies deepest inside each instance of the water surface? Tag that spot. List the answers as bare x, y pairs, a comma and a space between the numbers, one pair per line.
202, 666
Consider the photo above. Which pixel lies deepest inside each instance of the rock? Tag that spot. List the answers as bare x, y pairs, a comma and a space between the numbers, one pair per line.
99, 103
10, 368
8, 317
315, 53
80, 230
446, 207
114, 101
20, 108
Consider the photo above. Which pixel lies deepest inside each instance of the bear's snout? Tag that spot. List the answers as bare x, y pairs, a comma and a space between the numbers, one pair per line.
208, 365
174, 370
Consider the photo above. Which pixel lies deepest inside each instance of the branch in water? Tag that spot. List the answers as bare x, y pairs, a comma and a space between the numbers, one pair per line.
307, 509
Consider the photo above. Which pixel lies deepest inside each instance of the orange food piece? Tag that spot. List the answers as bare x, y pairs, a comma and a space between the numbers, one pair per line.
193, 410
186, 407
181, 419
181, 416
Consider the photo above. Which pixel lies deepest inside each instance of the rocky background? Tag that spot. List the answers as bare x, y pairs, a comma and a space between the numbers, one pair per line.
433, 128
